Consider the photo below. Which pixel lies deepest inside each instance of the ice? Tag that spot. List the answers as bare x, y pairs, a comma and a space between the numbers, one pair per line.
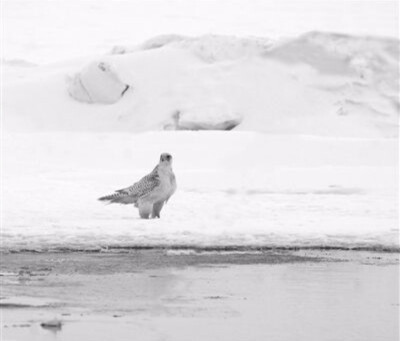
97, 83
210, 116
25, 301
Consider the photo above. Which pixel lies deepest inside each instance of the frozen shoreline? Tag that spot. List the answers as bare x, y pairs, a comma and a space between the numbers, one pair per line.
160, 294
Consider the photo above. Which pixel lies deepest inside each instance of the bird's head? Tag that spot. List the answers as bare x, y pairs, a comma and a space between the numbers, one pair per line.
165, 159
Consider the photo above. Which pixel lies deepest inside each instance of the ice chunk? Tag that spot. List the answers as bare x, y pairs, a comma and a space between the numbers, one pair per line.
97, 83
216, 116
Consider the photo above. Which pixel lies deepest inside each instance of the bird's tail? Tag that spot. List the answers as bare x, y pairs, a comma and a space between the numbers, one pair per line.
118, 198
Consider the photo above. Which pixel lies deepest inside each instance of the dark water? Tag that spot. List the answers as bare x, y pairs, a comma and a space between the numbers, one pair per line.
281, 296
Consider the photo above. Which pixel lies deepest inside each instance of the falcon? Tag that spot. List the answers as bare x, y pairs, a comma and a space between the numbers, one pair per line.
151, 192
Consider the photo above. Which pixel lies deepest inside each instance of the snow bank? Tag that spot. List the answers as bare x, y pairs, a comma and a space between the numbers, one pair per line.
318, 84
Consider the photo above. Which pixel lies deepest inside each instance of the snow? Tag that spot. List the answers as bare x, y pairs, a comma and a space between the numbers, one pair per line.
212, 48
234, 189
310, 158
236, 87
43, 31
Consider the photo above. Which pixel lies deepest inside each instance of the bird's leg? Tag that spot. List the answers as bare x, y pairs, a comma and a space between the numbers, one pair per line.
157, 207
145, 210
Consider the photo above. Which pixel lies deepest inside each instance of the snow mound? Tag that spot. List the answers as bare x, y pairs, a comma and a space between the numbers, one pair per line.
97, 83
316, 84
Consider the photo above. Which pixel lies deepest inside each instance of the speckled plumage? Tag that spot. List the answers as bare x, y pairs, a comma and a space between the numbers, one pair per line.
151, 192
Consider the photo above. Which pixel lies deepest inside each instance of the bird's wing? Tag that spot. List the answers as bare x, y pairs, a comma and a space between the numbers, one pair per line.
142, 187
132, 193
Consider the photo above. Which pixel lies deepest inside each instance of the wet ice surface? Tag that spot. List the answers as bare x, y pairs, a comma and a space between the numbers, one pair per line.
157, 295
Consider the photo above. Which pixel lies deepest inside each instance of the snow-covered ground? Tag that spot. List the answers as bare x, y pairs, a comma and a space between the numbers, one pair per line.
311, 160
235, 188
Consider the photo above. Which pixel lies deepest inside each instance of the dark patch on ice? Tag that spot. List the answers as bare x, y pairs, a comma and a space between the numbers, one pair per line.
55, 325
24, 302
214, 297
11, 305
16, 305
117, 249
224, 125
